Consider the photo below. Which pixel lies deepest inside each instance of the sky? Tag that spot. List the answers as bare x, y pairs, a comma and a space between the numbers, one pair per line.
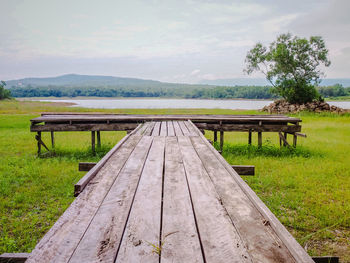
175, 41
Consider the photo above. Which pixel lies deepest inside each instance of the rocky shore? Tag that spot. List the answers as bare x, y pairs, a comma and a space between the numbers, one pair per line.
282, 106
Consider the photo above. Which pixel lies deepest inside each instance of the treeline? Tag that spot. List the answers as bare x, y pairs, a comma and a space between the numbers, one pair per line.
248, 92
180, 91
334, 91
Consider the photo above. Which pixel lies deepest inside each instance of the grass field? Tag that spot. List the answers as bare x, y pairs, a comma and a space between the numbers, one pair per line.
307, 188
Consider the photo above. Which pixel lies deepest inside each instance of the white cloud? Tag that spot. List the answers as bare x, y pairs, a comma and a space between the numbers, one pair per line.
195, 72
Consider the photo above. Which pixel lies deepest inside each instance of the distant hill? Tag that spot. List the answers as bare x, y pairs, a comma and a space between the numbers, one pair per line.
75, 80
264, 82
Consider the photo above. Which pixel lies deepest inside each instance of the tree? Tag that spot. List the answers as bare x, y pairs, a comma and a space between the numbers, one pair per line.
291, 65
4, 93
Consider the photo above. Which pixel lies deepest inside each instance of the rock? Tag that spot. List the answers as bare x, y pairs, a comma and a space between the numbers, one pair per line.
282, 107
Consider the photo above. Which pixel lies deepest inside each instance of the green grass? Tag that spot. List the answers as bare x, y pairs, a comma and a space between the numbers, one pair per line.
307, 188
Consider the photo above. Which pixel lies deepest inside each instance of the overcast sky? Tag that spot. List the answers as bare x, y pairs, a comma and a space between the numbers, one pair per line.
175, 41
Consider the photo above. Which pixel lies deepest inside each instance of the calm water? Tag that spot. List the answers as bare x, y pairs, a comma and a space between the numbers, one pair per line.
176, 103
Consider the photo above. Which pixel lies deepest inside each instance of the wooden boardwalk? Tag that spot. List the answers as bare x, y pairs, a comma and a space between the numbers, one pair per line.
166, 195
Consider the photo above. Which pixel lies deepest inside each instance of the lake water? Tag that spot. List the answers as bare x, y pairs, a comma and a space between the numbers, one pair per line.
176, 103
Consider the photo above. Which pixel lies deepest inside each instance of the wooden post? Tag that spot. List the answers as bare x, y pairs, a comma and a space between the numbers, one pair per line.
250, 137
259, 138
39, 144
52, 139
215, 136
98, 139
285, 136
93, 142
280, 141
221, 140
295, 140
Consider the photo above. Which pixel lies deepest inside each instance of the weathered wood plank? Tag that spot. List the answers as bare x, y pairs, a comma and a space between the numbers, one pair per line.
171, 131
61, 240
14, 257
163, 129
85, 127
192, 130
220, 240
86, 166
156, 129
143, 226
244, 169
259, 238
179, 234
184, 128
149, 129
101, 240
293, 246
177, 128
82, 183
247, 127
284, 139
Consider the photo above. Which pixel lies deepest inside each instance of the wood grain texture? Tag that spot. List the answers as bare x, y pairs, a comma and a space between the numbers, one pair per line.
177, 129
184, 128
143, 226
171, 131
156, 129
163, 129
60, 241
179, 234
101, 240
259, 238
149, 129
299, 254
221, 242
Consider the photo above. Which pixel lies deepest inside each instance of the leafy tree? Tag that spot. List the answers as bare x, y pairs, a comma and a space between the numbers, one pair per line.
4, 93
291, 65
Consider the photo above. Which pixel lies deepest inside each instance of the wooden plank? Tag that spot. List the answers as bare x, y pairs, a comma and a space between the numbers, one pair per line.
220, 240
300, 134
52, 140
82, 183
193, 131
244, 169
250, 137
184, 128
98, 133
163, 129
285, 143
93, 142
326, 259
149, 129
179, 234
171, 131
259, 239
86, 166
293, 246
101, 240
143, 226
85, 127
221, 140
259, 138
61, 240
156, 129
143, 128
14, 257
247, 127
215, 136
177, 128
